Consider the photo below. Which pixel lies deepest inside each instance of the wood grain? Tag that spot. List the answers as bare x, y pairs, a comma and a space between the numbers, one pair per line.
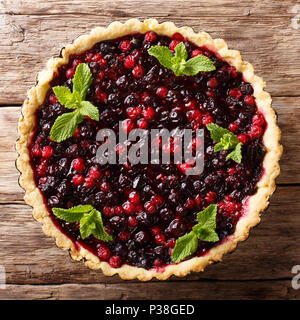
202, 290
32, 33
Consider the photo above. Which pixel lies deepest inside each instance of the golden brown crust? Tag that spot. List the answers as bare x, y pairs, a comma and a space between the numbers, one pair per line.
255, 204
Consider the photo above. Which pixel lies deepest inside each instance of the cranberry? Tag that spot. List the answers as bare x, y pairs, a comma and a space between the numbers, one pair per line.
95, 173
249, 100
160, 239
115, 261
235, 93
89, 182
70, 73
125, 45
196, 53
47, 152
162, 92
150, 207
255, 131
242, 138
53, 99
128, 207
78, 165
103, 252
233, 126
173, 44
129, 62
212, 83
78, 179
132, 222
134, 197
138, 71
149, 113
150, 36
210, 197
142, 123
258, 119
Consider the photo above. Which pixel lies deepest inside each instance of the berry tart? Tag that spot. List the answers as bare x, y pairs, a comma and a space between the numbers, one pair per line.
148, 220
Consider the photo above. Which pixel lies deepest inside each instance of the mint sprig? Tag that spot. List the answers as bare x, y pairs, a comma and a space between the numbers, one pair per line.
90, 221
226, 140
205, 230
179, 63
66, 124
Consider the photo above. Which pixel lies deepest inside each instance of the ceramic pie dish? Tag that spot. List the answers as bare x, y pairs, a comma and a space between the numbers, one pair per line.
147, 220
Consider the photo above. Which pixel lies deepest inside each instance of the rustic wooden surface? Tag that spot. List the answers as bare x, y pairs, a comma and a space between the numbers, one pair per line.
32, 31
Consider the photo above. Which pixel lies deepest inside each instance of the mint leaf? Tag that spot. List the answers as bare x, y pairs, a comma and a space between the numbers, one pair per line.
73, 214
197, 64
184, 247
87, 225
236, 154
88, 109
228, 141
179, 63
180, 51
65, 125
90, 221
82, 79
163, 55
216, 131
205, 230
63, 94
99, 231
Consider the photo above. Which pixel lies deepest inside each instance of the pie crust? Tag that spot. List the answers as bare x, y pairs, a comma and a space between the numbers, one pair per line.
255, 204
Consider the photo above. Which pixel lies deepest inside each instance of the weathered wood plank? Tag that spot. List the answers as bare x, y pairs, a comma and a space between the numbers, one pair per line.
32, 32
158, 8
271, 251
287, 109
196, 290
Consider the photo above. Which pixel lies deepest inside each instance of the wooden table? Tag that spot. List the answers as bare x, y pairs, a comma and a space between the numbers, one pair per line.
266, 34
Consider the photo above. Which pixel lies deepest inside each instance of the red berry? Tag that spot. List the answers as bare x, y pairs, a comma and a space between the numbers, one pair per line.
97, 57
142, 123
150, 207
118, 210
173, 44
235, 93
53, 99
78, 179
170, 243
249, 100
102, 62
124, 236
212, 83
160, 239
255, 131
89, 182
100, 95
128, 207
70, 73
178, 36
157, 200
198, 199
132, 222
108, 211
95, 173
125, 45
128, 125
149, 113
115, 261
36, 151
76, 133
162, 92
196, 53
243, 138
191, 104
258, 119
129, 62
157, 263
134, 197
210, 197
78, 164
138, 71
41, 169
190, 203
133, 112
233, 126
207, 118
150, 36
47, 152
103, 252
105, 186
155, 231
89, 57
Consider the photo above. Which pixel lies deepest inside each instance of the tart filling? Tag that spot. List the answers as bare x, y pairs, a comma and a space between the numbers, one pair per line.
147, 208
